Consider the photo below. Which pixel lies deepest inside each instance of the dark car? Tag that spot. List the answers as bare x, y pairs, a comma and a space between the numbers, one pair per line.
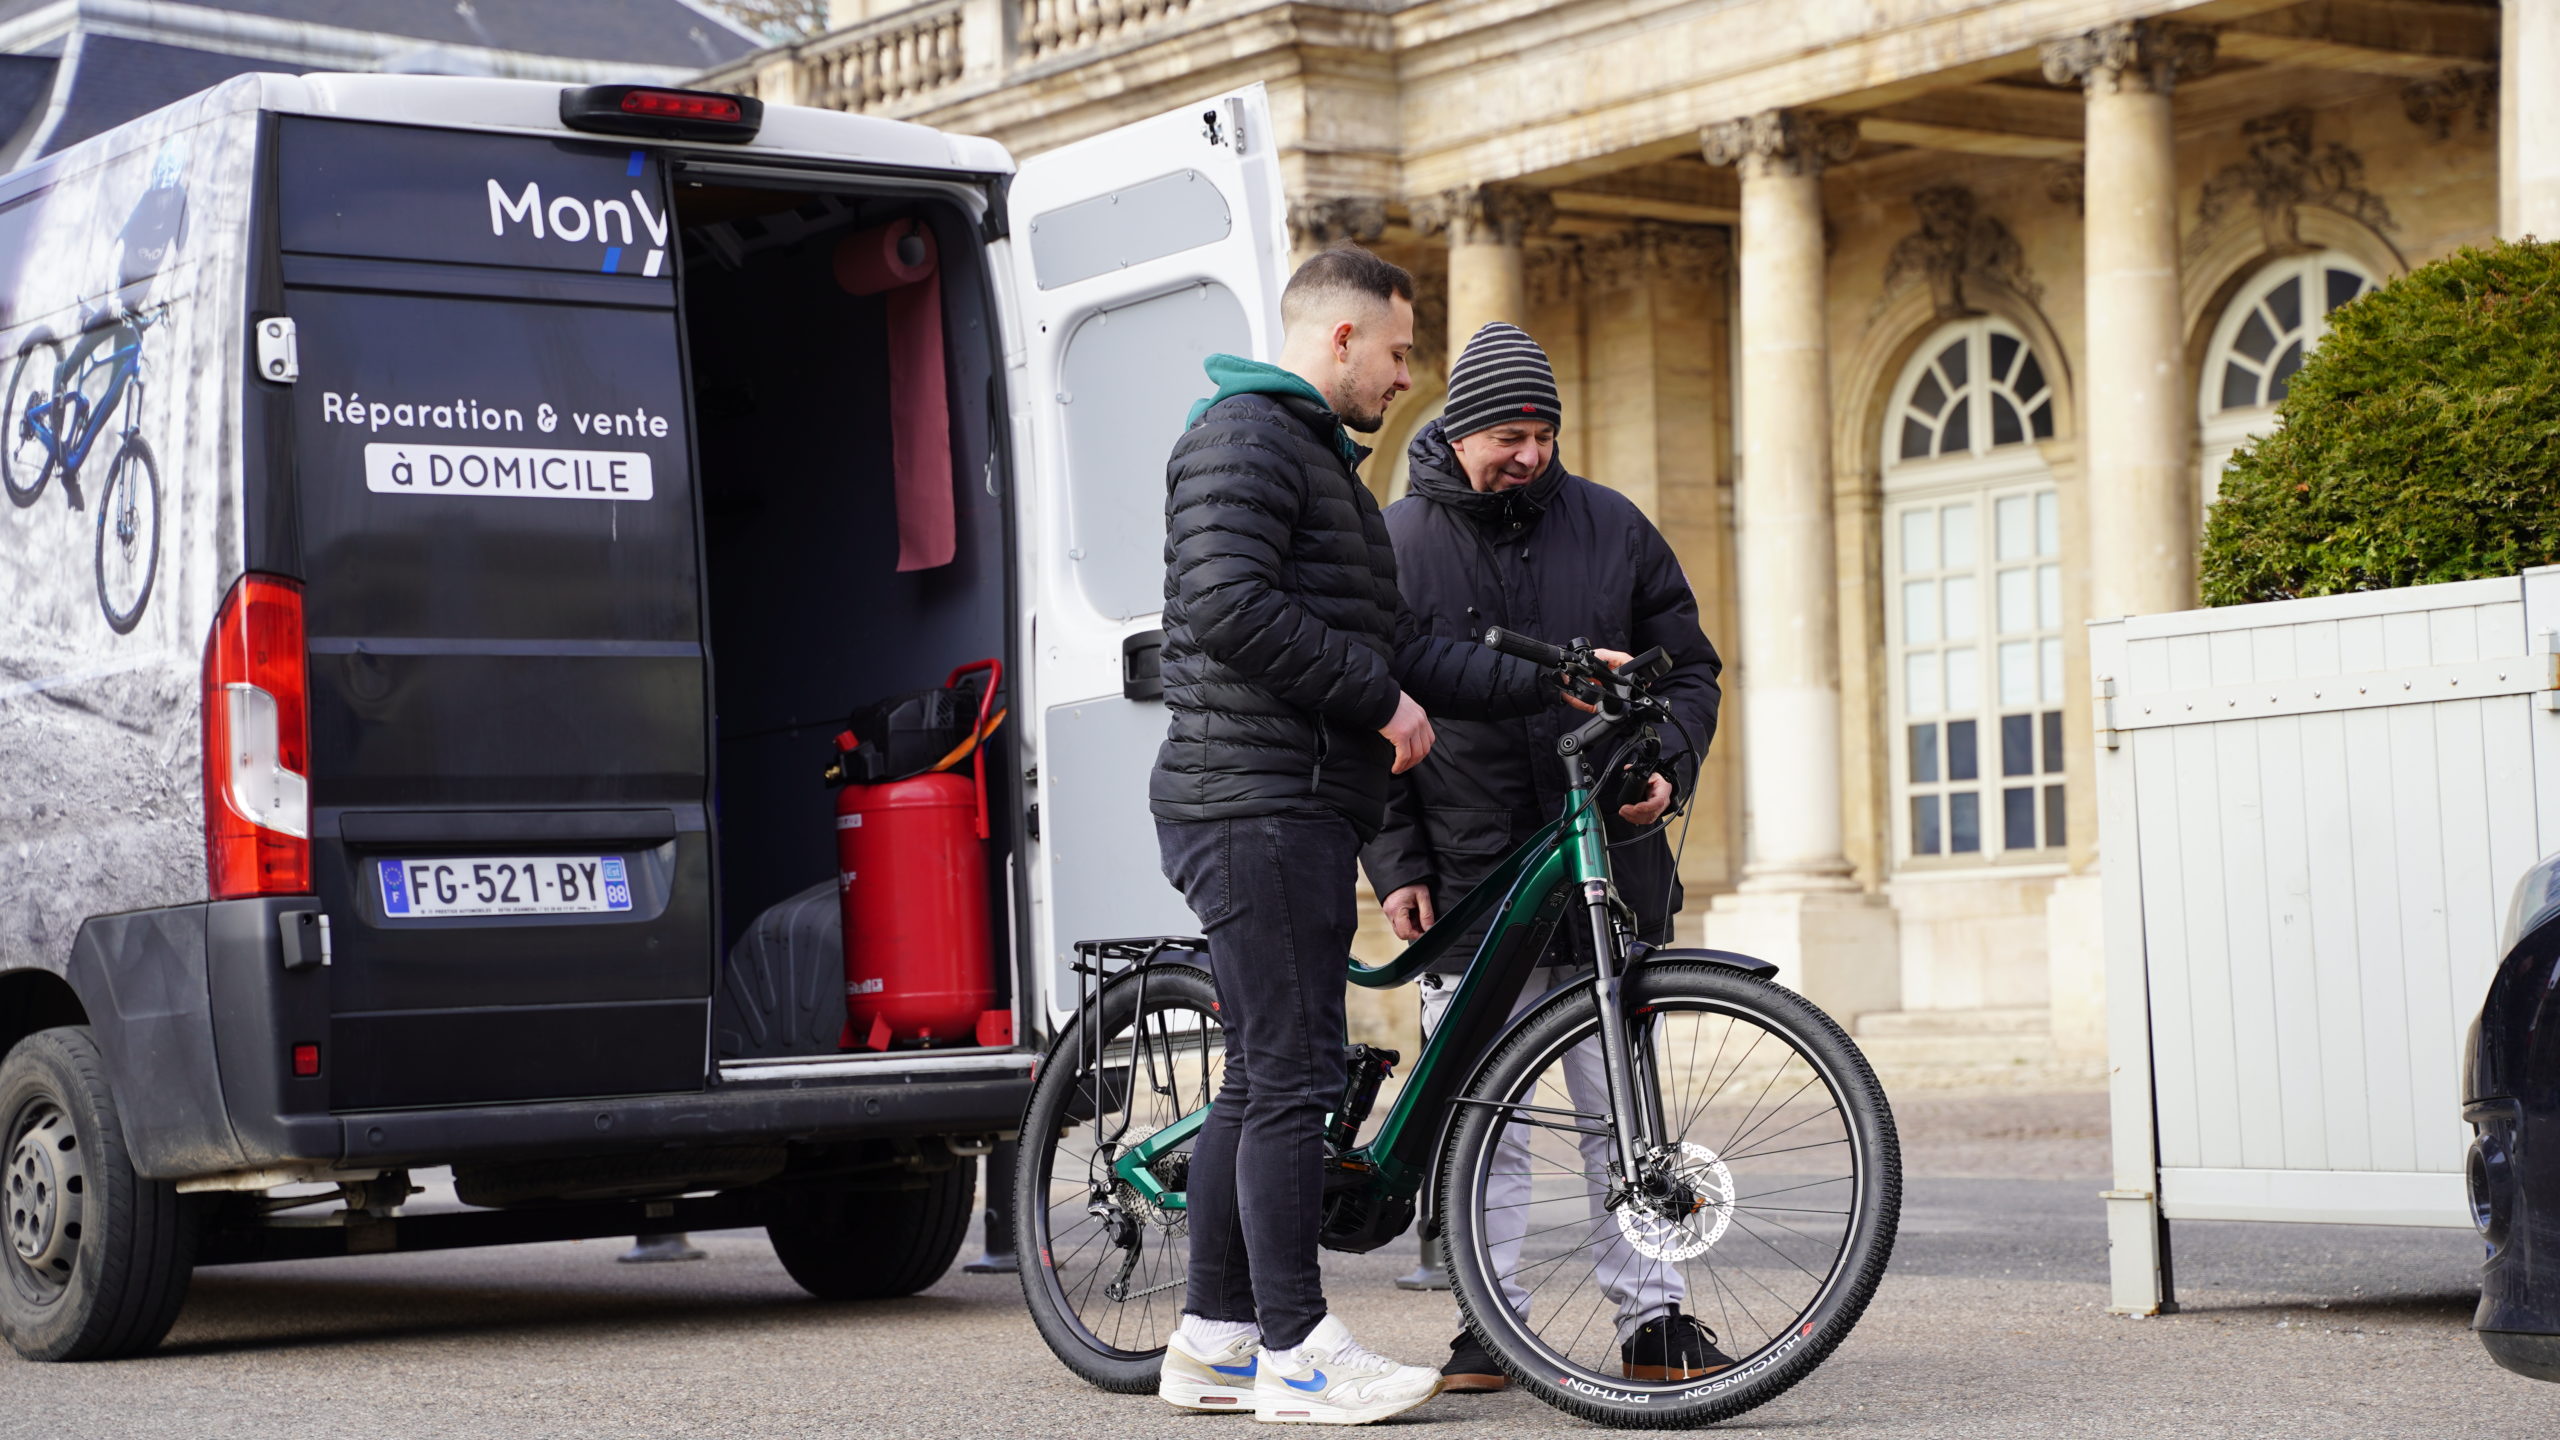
2511, 1096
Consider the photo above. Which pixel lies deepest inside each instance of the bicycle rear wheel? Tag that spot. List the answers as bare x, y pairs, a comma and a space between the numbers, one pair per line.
26, 454
1768, 1210
1103, 1269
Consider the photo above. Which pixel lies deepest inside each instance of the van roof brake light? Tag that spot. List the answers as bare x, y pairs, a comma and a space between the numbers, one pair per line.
662, 114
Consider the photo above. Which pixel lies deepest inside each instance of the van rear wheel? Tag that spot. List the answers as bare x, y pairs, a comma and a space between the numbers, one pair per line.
873, 1242
97, 1258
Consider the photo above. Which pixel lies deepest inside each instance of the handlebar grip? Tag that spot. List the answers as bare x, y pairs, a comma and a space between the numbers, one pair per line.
1519, 646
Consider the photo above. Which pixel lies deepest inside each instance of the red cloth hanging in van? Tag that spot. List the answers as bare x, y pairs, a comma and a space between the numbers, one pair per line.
898, 259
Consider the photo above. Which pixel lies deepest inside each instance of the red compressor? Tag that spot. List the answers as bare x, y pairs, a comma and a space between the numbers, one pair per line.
911, 868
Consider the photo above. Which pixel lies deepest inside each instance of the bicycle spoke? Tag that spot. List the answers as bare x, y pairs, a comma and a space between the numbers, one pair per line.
1753, 1249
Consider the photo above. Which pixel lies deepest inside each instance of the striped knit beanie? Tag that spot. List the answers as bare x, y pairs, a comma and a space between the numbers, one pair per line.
1501, 375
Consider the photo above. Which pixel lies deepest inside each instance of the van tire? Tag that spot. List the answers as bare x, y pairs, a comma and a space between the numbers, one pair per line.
112, 1286
873, 1242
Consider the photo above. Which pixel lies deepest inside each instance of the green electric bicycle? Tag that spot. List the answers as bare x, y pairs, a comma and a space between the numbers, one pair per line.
1671, 1128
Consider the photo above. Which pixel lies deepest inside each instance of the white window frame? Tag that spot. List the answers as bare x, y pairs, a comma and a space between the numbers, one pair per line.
2223, 431
1982, 475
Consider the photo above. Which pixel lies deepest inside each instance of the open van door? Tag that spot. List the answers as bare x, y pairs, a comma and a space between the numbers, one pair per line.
1136, 255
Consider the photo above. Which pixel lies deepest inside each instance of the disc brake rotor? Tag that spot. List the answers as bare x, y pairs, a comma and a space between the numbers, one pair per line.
1692, 1213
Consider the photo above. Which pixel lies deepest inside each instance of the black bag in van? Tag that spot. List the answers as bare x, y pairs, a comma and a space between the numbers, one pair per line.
782, 992
910, 734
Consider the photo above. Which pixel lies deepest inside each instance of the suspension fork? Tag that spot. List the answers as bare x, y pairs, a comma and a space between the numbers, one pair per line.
1634, 1120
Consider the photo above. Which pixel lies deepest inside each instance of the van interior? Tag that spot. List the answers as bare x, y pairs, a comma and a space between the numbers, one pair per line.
809, 614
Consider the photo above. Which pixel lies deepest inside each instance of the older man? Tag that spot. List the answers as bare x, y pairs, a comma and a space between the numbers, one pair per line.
1496, 532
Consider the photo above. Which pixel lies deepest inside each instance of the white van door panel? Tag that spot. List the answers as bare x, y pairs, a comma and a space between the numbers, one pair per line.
1135, 255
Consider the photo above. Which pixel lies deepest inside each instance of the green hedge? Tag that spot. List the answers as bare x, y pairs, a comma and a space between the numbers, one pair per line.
2420, 443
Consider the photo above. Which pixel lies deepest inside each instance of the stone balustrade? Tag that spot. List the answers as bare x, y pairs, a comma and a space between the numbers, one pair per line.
1043, 28
913, 59
895, 58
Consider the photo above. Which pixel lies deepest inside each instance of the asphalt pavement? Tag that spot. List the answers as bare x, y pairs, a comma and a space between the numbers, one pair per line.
1991, 1323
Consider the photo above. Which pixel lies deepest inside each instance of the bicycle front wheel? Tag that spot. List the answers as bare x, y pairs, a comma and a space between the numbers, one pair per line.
26, 430
1766, 1207
128, 535
1103, 1268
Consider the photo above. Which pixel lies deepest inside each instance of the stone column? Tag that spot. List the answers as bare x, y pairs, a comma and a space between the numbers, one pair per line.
2141, 486
1487, 278
2529, 121
1798, 905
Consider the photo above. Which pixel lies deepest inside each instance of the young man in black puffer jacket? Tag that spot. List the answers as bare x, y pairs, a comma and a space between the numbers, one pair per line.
1496, 532
1297, 682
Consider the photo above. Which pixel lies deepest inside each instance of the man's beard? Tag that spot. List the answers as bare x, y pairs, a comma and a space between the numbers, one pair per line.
1364, 421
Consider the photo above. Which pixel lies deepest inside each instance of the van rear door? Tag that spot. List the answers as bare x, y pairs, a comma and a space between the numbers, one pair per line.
497, 527
1136, 255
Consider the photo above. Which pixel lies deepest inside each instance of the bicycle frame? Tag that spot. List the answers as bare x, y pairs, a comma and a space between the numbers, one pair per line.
70, 444
1531, 888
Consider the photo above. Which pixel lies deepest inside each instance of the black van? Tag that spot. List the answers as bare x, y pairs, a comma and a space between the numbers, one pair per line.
451, 521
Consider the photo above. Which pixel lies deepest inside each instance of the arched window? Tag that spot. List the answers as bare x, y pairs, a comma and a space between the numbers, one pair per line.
1974, 386
1973, 538
2272, 324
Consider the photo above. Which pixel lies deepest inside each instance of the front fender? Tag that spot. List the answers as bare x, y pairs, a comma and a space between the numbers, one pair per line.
1730, 959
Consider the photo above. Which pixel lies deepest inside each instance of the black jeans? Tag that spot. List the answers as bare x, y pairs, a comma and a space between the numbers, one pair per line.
1274, 895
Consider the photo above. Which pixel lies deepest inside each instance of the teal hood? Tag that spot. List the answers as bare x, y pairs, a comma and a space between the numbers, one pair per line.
1235, 375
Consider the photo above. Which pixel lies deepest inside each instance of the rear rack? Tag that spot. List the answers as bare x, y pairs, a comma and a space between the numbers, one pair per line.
1095, 971
1094, 957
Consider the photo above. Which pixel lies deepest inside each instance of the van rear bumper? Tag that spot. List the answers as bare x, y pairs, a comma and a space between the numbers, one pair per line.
196, 1019
888, 1106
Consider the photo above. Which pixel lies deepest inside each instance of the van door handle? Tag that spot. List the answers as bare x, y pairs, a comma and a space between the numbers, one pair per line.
1142, 666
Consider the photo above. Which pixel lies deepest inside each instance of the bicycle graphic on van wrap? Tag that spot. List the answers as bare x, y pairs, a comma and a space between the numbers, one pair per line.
59, 405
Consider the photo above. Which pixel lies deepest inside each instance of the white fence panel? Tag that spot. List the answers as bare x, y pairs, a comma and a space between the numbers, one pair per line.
2312, 814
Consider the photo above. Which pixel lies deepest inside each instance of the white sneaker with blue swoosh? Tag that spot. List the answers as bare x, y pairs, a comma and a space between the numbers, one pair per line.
1219, 1377
1330, 1379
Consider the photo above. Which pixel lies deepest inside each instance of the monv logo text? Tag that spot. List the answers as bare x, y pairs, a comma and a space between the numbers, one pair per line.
609, 223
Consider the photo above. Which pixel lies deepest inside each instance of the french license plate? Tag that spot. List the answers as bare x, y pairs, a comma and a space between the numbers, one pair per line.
508, 885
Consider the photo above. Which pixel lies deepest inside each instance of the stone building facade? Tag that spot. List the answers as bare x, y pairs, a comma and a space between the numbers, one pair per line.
1922, 329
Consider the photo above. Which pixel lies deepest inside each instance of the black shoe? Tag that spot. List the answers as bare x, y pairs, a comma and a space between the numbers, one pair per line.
1672, 1347
1469, 1367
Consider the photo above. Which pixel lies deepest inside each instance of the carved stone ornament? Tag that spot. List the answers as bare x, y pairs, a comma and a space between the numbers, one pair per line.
1780, 142
1551, 273
2148, 55
1652, 250
1430, 317
1317, 222
2284, 172
2439, 103
1956, 243
2066, 182
1484, 214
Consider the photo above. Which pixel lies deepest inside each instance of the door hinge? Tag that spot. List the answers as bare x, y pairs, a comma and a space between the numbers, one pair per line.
279, 358
306, 939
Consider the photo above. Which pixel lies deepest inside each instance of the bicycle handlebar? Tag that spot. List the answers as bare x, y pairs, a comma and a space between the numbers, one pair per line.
1522, 647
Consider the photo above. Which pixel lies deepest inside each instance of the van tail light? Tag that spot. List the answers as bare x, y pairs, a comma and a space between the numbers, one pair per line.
257, 744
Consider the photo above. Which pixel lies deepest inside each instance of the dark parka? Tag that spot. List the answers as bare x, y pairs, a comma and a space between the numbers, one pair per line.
1558, 558
1285, 638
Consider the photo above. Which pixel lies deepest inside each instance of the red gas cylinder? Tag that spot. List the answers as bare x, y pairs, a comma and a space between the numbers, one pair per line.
912, 871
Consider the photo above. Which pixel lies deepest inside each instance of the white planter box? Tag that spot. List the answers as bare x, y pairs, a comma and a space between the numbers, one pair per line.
2312, 814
